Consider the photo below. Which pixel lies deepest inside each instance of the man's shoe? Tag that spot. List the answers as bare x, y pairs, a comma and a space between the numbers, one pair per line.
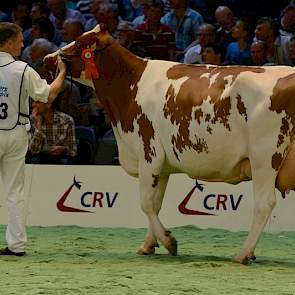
6, 251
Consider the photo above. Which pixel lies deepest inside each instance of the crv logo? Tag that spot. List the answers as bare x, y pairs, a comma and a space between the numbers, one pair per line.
210, 202
87, 199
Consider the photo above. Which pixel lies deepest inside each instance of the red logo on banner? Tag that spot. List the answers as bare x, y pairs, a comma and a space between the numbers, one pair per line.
220, 201
182, 206
60, 204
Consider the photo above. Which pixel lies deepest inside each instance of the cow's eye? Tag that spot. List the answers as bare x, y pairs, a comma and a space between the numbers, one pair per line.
78, 45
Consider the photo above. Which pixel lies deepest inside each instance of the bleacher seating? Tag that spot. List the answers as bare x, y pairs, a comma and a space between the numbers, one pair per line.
86, 144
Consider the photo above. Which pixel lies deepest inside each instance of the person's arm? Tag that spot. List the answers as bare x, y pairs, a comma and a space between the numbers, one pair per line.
56, 85
37, 137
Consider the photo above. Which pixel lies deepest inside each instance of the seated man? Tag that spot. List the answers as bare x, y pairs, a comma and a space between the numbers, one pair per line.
52, 135
157, 40
277, 46
206, 36
258, 54
125, 35
34, 53
71, 29
185, 22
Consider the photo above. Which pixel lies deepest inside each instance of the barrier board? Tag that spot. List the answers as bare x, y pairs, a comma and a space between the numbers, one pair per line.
105, 196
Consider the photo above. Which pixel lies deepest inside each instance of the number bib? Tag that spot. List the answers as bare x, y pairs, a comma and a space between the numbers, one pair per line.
11, 78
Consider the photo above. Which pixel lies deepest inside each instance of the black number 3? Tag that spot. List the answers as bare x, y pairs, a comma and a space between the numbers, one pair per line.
3, 110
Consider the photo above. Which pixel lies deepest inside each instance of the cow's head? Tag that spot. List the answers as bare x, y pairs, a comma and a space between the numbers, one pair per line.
75, 54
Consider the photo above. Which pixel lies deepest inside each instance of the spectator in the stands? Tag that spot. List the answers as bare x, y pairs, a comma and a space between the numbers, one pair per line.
126, 35
143, 6
42, 27
127, 11
206, 36
84, 7
71, 29
60, 12
226, 21
108, 14
238, 52
39, 9
185, 22
158, 39
267, 30
19, 14
34, 53
202, 6
94, 6
52, 135
41, 22
288, 21
212, 54
258, 53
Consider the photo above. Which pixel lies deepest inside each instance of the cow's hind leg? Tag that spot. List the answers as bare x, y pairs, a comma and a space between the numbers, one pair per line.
152, 189
264, 202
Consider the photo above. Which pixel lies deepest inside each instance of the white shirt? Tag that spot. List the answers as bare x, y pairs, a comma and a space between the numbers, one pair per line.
32, 86
193, 55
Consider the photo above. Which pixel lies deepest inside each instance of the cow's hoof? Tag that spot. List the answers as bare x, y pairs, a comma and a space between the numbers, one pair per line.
242, 259
171, 246
146, 251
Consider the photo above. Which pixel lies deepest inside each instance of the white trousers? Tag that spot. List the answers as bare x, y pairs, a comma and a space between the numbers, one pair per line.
13, 148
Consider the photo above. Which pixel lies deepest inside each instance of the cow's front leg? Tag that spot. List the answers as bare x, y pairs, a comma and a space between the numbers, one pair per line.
152, 189
157, 188
264, 202
150, 243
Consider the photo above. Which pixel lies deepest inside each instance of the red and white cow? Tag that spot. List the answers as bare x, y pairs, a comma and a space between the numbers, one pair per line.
224, 124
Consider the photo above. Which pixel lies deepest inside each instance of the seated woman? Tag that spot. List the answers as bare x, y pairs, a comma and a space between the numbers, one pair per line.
156, 39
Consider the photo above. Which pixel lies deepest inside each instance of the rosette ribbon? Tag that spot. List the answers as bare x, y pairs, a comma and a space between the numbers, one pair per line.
91, 71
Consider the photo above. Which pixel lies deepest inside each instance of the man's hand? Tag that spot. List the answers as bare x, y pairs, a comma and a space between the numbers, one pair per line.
37, 119
57, 150
61, 65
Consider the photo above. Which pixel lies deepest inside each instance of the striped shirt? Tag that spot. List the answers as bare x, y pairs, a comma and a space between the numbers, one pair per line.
83, 7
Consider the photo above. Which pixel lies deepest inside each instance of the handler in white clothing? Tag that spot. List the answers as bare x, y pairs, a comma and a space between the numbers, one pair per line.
18, 82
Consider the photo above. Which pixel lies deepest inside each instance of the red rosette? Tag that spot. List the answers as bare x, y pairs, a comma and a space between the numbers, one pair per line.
91, 72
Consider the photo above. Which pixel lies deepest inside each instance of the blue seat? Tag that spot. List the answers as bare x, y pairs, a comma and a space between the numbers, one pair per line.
86, 144
107, 152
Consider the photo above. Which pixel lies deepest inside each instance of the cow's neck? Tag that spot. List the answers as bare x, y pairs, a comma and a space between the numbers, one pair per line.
120, 72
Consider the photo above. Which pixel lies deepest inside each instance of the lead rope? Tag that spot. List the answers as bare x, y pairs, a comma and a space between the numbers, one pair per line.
71, 76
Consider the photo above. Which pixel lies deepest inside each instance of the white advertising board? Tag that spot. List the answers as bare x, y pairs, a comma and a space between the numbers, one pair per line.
105, 196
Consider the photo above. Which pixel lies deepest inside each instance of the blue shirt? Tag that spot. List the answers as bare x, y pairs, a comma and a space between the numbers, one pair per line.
236, 57
186, 31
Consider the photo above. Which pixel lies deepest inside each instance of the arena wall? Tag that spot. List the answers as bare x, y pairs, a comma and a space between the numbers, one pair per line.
105, 196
